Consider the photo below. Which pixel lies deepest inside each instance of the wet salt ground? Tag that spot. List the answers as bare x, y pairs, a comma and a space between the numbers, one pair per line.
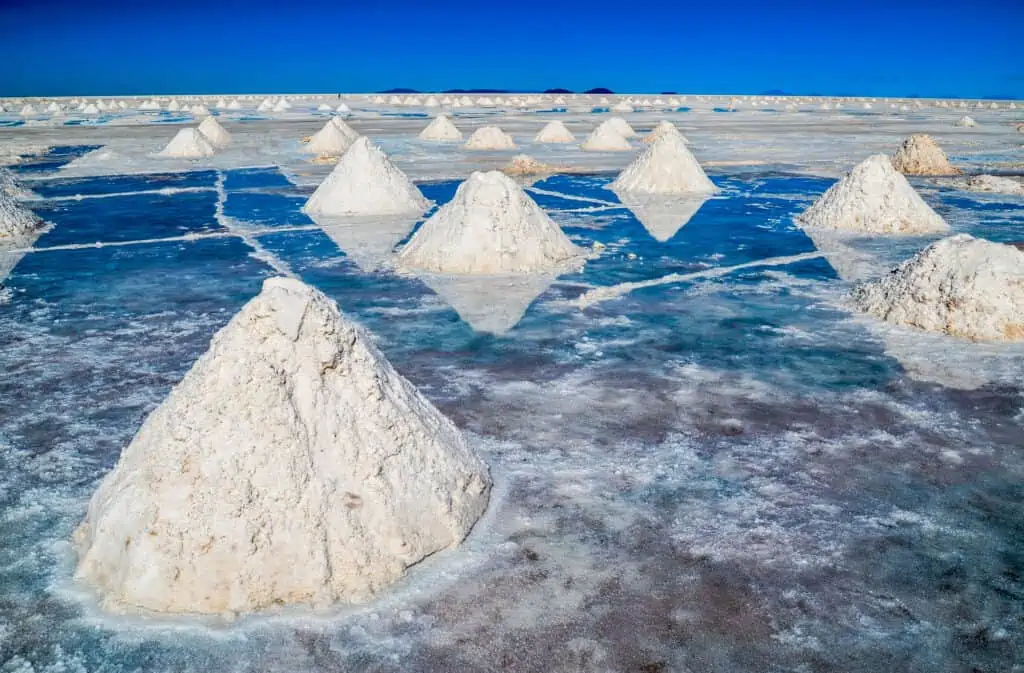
727, 475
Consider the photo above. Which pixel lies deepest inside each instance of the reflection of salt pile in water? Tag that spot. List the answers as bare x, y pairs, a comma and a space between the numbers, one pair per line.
991, 183
662, 215
961, 286
490, 227
666, 167
965, 121
491, 304
441, 128
873, 198
368, 241
663, 127
605, 139
554, 132
490, 138
188, 143
365, 182
291, 465
919, 155
214, 132
333, 140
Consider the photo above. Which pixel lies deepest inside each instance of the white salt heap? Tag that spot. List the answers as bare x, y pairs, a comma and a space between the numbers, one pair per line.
993, 184
622, 127
606, 139
15, 222
491, 227
666, 166
965, 121
525, 165
873, 198
490, 138
664, 126
189, 143
291, 465
333, 140
365, 182
961, 286
554, 132
214, 132
441, 128
920, 155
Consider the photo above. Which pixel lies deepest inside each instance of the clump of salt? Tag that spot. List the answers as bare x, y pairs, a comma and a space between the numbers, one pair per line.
441, 129
993, 184
555, 132
490, 138
920, 155
16, 222
965, 121
214, 132
666, 166
605, 138
188, 143
333, 140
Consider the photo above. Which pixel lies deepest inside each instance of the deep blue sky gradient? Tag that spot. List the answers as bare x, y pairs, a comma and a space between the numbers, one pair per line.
875, 47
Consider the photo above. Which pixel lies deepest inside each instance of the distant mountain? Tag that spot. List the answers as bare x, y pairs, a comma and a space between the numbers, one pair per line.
669, 93
600, 90
557, 91
774, 92
399, 90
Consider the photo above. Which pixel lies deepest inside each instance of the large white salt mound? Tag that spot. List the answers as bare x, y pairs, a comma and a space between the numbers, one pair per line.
189, 143
333, 140
441, 128
873, 198
490, 226
291, 465
214, 132
961, 286
490, 138
365, 182
554, 132
605, 138
966, 121
993, 184
621, 126
15, 222
920, 155
666, 166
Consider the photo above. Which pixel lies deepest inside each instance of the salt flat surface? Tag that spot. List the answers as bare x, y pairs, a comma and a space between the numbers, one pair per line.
718, 467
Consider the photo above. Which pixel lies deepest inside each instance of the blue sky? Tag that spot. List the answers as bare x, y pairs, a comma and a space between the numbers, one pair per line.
935, 48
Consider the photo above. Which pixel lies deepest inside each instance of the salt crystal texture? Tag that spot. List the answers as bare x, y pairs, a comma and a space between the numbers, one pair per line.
333, 140
664, 126
605, 139
993, 184
965, 121
622, 127
490, 226
920, 155
961, 286
441, 128
214, 132
490, 138
665, 167
365, 182
10, 186
555, 132
15, 221
873, 198
189, 143
291, 465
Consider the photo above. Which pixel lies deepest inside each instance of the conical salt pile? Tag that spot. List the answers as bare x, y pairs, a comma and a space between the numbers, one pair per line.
441, 129
333, 140
189, 143
266, 106
28, 111
90, 109
961, 286
323, 107
291, 465
490, 227
873, 198
665, 167
622, 127
365, 182
919, 155
234, 104
664, 126
342, 108
173, 106
490, 138
15, 222
554, 132
199, 110
282, 105
215, 133
606, 139
965, 121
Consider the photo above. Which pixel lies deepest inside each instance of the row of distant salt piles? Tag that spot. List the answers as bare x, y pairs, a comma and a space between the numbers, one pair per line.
610, 136
960, 285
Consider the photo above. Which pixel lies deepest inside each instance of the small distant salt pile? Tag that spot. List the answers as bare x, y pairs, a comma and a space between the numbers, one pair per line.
365, 182
291, 465
525, 165
622, 106
555, 132
266, 106
961, 286
235, 104
873, 198
215, 133
174, 106
605, 138
664, 126
323, 107
993, 184
441, 129
965, 121
333, 140
200, 110
15, 222
490, 138
342, 108
282, 105
491, 226
150, 105
920, 155
28, 111
221, 104
90, 109
666, 167
189, 143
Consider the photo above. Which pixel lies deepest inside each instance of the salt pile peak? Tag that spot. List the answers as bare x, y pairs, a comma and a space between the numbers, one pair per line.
365, 182
214, 132
441, 128
666, 166
605, 138
291, 465
333, 140
490, 138
188, 143
554, 132
920, 155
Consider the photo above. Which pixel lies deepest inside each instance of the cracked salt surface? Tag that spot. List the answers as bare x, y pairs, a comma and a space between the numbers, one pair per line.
727, 473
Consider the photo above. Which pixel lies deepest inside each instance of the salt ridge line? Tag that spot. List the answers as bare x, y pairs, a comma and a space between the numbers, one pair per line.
247, 236
569, 197
168, 191
597, 295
